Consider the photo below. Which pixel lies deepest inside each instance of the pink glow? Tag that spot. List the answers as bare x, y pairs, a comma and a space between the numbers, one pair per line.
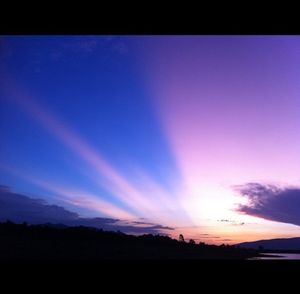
227, 122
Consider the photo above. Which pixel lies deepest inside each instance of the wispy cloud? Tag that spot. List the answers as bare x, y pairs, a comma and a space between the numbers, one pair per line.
231, 222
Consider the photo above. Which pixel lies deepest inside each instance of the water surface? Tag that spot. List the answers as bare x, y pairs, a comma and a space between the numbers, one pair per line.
280, 256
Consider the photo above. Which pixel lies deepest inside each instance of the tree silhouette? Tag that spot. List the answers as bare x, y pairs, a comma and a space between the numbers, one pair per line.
181, 238
48, 241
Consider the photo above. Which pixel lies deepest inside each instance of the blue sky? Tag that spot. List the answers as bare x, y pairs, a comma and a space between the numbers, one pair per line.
94, 85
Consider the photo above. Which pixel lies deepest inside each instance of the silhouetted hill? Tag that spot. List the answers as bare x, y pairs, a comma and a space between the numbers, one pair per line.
274, 244
52, 242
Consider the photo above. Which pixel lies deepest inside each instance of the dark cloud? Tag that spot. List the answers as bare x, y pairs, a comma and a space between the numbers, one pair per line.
147, 224
231, 222
271, 202
19, 208
141, 223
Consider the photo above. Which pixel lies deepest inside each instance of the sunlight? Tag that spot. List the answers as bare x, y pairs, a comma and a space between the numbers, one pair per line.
209, 201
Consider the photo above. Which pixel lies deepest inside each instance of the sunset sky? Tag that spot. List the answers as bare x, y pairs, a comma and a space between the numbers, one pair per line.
198, 135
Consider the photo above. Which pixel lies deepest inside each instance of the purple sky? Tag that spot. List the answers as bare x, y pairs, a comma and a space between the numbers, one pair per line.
230, 107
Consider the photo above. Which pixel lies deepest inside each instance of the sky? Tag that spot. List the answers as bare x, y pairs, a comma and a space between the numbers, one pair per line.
192, 135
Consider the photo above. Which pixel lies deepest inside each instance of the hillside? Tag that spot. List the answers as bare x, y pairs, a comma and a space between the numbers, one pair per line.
274, 244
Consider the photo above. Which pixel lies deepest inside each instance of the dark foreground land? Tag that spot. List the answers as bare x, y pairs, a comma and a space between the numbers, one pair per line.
44, 242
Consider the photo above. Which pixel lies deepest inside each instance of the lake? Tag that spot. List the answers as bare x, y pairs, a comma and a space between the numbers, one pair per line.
283, 256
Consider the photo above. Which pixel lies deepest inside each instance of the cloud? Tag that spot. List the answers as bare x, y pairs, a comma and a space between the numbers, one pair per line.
231, 222
19, 208
138, 224
271, 202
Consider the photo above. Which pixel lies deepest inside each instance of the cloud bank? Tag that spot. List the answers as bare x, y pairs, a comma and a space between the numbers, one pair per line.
20, 208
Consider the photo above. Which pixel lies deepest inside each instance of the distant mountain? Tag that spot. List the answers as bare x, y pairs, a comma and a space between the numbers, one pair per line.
274, 244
